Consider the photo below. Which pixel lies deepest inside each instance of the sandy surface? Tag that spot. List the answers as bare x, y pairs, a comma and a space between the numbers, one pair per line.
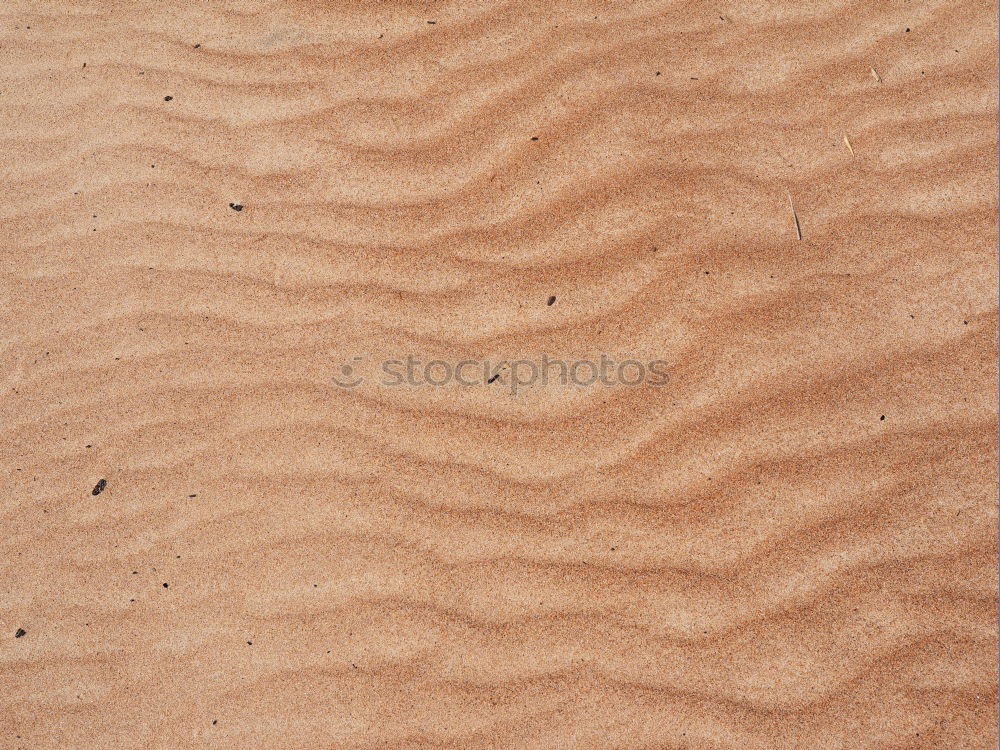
792, 544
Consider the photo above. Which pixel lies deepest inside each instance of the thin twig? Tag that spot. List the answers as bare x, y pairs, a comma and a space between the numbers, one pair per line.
847, 142
878, 78
795, 216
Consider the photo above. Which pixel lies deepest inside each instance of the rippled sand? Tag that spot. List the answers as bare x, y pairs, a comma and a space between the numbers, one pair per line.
791, 545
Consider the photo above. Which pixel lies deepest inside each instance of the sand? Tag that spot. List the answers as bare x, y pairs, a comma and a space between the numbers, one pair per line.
212, 210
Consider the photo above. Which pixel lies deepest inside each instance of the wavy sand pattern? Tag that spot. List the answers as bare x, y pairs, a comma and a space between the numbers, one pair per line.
792, 545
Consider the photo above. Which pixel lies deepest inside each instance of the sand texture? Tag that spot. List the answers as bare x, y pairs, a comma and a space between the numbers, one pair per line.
211, 210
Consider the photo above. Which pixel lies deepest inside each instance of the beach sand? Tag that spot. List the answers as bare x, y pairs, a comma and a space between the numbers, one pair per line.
210, 211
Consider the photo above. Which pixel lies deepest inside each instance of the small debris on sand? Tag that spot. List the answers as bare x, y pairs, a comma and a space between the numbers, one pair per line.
795, 216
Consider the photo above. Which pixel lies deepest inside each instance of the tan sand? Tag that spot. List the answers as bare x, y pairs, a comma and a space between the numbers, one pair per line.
790, 545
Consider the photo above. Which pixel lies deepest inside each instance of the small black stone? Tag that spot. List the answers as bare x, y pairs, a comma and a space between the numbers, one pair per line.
20, 632
552, 301
99, 487
167, 98
236, 206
